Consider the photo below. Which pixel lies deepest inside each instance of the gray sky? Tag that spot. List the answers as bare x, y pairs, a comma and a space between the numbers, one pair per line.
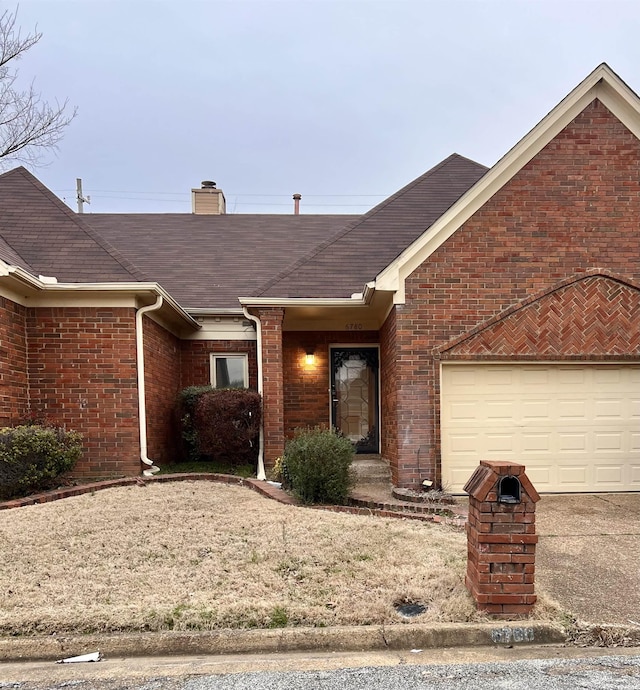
342, 101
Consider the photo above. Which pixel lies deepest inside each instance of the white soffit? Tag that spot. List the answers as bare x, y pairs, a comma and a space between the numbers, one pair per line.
602, 83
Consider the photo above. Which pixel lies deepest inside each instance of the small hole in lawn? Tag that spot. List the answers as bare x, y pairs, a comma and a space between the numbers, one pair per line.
409, 610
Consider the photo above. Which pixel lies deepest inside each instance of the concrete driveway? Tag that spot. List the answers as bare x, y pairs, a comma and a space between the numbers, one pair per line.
588, 556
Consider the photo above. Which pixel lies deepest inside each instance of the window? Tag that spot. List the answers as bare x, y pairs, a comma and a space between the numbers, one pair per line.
229, 371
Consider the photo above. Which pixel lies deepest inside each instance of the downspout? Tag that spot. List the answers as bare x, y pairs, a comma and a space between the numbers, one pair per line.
261, 474
142, 406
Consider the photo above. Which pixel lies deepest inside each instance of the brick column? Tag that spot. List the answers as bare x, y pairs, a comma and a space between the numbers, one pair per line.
272, 392
501, 542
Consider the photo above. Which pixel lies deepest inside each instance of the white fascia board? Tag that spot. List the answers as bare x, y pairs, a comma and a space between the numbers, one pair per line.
301, 302
119, 288
214, 312
358, 300
602, 83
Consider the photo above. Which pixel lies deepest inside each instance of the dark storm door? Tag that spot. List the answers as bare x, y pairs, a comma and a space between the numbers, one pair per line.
354, 396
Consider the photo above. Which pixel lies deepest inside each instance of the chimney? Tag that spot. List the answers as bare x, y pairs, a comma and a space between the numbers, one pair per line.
208, 199
296, 204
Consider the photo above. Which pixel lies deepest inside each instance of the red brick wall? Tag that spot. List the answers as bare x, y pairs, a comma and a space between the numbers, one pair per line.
573, 208
388, 389
196, 363
273, 406
306, 388
82, 371
14, 392
162, 384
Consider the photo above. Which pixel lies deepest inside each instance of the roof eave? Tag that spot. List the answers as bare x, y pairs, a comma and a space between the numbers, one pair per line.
358, 299
135, 288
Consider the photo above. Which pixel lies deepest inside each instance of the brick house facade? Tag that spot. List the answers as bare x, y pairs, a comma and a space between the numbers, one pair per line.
476, 314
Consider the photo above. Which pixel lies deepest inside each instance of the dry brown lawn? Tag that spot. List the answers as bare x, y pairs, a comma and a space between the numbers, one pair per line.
199, 555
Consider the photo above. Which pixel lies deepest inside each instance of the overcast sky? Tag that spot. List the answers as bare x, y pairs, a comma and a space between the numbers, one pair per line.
342, 101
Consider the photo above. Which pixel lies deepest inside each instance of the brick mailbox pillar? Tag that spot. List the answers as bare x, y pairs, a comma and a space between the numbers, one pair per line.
501, 539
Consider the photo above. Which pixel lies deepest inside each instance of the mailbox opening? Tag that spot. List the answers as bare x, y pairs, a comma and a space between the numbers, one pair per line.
509, 490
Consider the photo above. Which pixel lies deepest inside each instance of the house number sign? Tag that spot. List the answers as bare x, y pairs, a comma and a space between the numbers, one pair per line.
354, 326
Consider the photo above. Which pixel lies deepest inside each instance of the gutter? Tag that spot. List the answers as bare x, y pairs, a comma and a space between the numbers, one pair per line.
136, 288
358, 299
142, 408
261, 473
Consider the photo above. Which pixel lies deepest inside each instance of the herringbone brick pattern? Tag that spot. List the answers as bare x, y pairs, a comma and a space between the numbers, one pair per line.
596, 316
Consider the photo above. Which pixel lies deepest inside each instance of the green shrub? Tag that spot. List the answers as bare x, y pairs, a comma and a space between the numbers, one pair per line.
221, 425
187, 400
318, 464
33, 456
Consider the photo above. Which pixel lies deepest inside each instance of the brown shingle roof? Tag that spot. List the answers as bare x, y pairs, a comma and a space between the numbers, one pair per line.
208, 261
345, 262
41, 234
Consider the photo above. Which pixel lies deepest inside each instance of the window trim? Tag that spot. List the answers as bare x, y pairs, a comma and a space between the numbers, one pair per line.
228, 355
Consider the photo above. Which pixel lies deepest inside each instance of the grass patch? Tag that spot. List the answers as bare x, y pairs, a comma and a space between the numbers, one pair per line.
201, 556
209, 466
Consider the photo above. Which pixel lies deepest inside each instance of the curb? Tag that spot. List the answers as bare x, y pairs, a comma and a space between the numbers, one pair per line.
338, 639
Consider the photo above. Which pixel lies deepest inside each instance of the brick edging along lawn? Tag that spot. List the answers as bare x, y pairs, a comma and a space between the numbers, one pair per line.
264, 488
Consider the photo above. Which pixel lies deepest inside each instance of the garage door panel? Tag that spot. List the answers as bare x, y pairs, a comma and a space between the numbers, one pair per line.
575, 427
610, 474
571, 376
570, 476
535, 410
535, 443
499, 410
534, 377
571, 409
498, 444
572, 443
541, 475
463, 444
608, 442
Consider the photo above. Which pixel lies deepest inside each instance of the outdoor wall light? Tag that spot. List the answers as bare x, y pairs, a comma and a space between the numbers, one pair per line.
310, 357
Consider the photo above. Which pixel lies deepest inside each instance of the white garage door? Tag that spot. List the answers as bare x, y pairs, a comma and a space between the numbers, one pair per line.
575, 427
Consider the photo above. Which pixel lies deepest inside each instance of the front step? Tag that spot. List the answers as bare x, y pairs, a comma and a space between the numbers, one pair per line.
371, 469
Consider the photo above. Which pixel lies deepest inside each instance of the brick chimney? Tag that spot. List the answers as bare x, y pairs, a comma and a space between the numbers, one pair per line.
208, 199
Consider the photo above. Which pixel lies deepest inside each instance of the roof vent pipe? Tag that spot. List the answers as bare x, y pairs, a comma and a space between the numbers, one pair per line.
296, 204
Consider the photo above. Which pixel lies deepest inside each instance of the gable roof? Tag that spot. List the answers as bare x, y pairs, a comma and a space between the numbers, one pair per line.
342, 264
39, 233
208, 261
602, 84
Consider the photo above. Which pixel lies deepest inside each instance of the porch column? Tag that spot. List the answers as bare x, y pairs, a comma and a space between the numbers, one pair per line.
272, 383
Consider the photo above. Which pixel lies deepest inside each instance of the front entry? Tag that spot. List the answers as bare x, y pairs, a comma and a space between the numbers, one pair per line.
354, 396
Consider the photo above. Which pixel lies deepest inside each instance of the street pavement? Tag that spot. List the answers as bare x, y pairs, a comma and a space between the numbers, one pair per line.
550, 668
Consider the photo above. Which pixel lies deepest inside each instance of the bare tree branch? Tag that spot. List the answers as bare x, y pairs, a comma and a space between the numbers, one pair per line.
29, 125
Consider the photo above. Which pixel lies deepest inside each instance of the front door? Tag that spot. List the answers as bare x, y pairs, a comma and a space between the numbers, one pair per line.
354, 396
